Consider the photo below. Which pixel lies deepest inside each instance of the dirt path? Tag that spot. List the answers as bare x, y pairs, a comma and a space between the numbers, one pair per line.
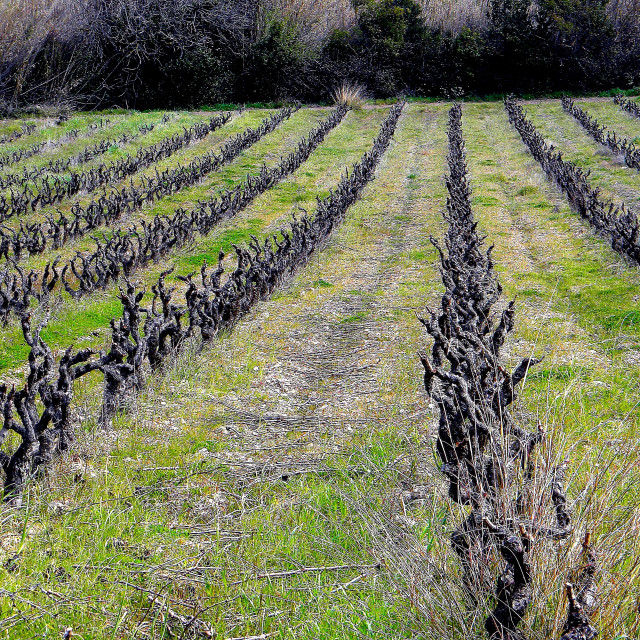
329, 347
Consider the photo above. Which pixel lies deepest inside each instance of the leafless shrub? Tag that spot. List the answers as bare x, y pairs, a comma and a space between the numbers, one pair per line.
26, 26
624, 14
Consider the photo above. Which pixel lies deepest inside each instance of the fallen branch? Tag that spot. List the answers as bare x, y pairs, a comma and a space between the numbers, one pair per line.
189, 623
278, 575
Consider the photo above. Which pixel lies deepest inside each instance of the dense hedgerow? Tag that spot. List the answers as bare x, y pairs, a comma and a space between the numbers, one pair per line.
161, 53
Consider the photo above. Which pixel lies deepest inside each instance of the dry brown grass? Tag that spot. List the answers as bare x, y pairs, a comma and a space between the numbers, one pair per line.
315, 18
454, 15
425, 569
351, 94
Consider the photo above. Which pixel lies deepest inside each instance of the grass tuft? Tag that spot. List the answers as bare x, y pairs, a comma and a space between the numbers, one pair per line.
351, 94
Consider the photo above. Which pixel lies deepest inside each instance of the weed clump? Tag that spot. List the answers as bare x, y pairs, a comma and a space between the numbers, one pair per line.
350, 94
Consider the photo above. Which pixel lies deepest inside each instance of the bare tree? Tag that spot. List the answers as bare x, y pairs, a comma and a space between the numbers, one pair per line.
27, 27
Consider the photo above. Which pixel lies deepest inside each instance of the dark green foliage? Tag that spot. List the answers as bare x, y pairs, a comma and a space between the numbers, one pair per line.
201, 76
514, 51
556, 45
387, 41
392, 51
580, 42
275, 59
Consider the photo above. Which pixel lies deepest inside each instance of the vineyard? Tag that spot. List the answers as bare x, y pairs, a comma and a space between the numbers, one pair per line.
322, 372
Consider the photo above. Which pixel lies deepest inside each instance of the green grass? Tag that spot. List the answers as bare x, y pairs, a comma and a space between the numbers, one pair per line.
499, 97
284, 444
129, 125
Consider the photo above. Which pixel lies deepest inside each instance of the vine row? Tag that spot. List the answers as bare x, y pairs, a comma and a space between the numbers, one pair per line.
52, 190
487, 458
17, 156
601, 134
25, 130
630, 106
37, 237
618, 223
39, 413
126, 252
24, 154
65, 164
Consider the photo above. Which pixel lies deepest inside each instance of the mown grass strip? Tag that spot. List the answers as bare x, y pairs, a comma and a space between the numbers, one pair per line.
619, 223
616, 143
615, 180
52, 190
578, 303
